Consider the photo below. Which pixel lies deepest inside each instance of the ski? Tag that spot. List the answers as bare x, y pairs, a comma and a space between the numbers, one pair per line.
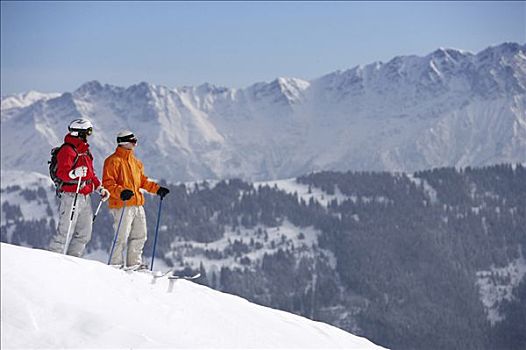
159, 274
134, 268
189, 278
143, 269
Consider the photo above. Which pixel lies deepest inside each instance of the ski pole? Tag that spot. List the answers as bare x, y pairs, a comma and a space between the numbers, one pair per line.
97, 211
72, 214
116, 233
156, 233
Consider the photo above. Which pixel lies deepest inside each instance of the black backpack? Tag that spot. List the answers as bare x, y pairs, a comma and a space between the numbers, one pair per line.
53, 165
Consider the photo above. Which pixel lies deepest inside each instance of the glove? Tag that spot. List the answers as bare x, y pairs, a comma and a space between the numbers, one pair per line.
126, 194
104, 193
163, 191
78, 172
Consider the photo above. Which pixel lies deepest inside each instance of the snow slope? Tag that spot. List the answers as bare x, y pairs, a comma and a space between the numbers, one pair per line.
14, 183
304, 191
56, 301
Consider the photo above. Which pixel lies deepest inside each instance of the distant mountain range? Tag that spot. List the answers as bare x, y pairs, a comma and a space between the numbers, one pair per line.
449, 108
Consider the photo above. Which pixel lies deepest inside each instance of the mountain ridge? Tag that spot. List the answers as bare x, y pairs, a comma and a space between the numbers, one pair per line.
410, 113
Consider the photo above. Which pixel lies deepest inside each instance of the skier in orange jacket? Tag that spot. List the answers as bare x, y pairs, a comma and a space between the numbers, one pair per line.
123, 176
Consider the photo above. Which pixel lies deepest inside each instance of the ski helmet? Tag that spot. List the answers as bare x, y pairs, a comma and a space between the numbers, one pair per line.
126, 136
80, 127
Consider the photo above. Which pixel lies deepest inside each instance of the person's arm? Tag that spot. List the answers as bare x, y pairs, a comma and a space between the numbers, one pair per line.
148, 185
110, 174
94, 178
96, 181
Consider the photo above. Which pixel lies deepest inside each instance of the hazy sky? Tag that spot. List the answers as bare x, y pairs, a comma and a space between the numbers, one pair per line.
57, 46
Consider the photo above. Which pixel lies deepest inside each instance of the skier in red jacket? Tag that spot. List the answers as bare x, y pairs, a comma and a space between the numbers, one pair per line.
74, 160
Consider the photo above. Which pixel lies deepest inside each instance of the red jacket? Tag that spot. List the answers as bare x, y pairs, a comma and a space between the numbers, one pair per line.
65, 160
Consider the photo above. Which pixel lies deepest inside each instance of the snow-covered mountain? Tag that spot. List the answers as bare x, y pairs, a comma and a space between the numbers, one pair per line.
26, 99
56, 301
449, 108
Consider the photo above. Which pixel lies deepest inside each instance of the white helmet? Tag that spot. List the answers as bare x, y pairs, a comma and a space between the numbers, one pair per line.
80, 127
126, 136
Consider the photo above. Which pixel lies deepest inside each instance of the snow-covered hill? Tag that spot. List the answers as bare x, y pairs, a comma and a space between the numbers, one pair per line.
55, 301
449, 108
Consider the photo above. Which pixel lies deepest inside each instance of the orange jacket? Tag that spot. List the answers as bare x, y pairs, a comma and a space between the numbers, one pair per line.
123, 171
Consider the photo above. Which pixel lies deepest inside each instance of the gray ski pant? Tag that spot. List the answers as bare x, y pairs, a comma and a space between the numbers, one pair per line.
131, 236
81, 226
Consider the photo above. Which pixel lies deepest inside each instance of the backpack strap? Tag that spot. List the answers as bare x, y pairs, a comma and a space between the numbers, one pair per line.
76, 153
74, 161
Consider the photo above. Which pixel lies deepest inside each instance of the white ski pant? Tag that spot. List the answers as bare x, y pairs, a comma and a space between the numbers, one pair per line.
131, 236
81, 225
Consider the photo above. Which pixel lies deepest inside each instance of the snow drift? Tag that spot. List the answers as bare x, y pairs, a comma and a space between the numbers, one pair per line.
55, 301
